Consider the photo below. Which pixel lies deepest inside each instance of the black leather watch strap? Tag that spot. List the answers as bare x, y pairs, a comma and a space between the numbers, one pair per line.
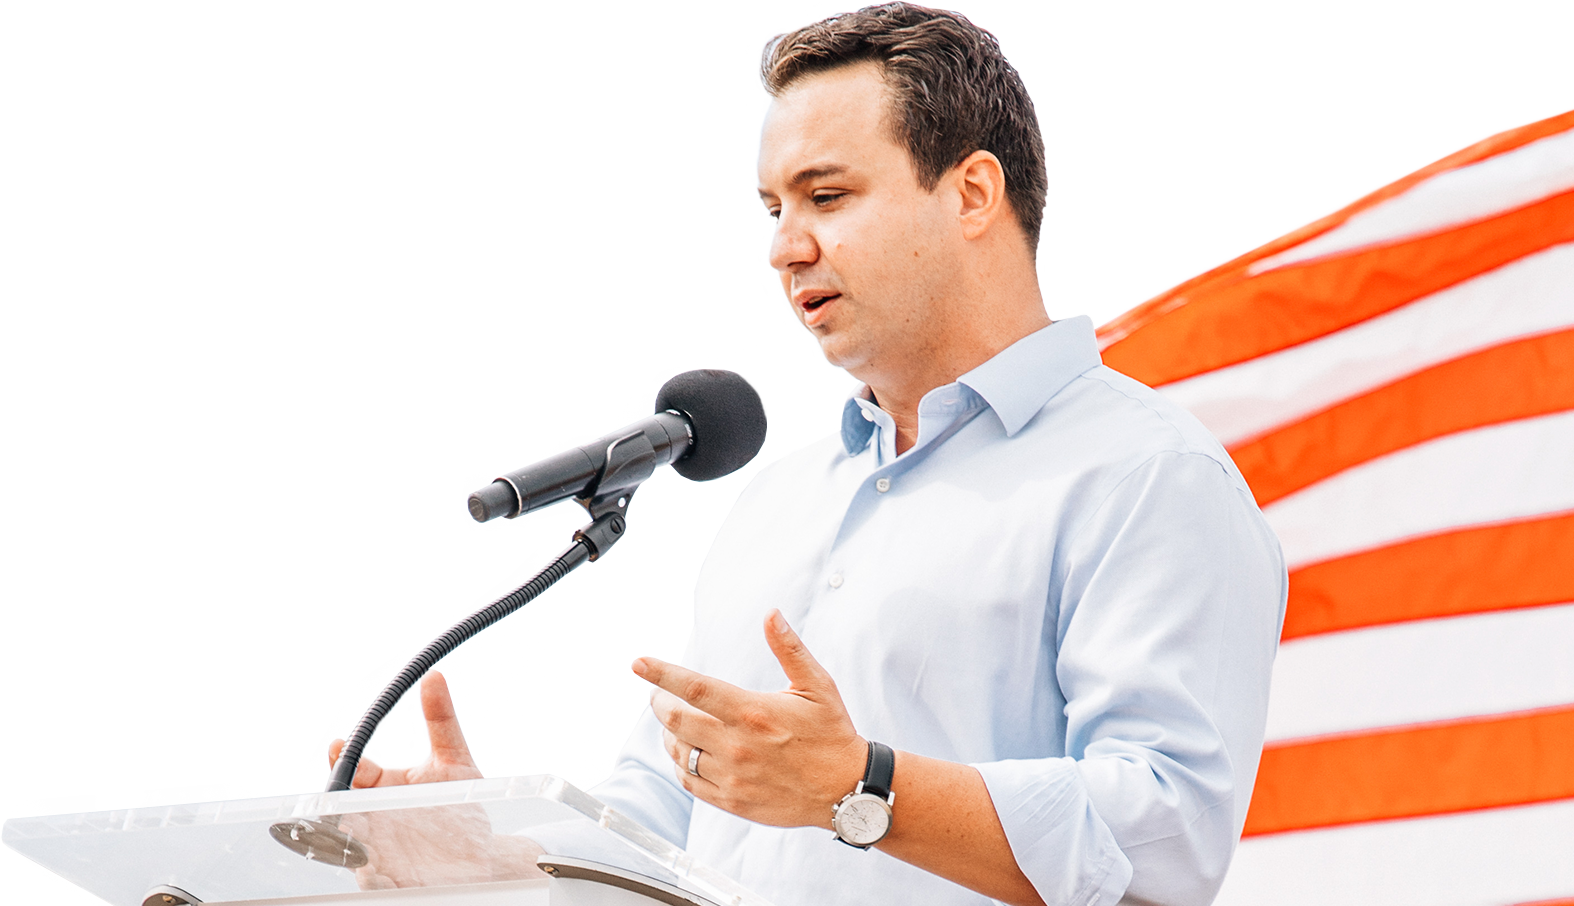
879, 770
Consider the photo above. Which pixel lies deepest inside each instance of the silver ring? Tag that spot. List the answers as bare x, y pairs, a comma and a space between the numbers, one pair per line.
694, 761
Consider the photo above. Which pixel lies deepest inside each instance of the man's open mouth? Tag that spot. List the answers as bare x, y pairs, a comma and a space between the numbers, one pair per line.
812, 304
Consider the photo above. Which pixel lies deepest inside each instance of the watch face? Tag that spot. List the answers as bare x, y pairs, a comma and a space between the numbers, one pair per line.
863, 820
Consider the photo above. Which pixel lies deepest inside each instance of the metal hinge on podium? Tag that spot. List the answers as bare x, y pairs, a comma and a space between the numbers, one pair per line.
164, 895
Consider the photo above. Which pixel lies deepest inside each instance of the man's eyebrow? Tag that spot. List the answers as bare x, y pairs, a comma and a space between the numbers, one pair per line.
810, 174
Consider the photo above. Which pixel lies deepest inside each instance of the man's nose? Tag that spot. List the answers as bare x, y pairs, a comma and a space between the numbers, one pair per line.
793, 245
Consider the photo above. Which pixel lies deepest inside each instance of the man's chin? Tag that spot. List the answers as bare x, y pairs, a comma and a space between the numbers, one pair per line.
854, 361
838, 351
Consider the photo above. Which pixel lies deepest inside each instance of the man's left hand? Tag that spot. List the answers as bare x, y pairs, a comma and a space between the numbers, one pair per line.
780, 758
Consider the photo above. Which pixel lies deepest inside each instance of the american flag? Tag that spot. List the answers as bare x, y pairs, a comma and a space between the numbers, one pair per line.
1396, 382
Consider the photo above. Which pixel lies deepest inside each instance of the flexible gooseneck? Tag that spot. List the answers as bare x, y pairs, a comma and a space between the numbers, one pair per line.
350, 756
707, 423
628, 462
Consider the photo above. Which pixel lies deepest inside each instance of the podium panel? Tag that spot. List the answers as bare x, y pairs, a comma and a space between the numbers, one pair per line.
501, 893
470, 842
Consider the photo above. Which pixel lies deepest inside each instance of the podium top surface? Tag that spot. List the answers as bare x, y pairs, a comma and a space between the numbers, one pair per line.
426, 835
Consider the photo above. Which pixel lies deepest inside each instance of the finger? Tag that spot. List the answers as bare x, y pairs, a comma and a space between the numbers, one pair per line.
678, 750
367, 771
370, 773
368, 878
685, 720
442, 724
713, 696
804, 673
698, 785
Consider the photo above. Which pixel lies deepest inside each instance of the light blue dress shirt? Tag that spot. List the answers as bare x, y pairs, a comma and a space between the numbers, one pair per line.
1064, 583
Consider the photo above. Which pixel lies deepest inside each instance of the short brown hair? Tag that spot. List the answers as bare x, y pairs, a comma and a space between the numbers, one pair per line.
953, 92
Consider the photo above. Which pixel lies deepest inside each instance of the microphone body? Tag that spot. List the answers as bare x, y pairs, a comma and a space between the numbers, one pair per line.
708, 423
577, 472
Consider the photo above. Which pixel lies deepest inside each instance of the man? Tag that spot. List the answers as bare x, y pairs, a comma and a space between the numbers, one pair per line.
1044, 592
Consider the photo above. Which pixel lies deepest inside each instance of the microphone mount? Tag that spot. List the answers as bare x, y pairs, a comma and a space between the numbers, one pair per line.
630, 460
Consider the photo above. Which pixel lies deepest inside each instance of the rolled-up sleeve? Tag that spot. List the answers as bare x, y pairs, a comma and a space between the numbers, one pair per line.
1057, 837
1170, 601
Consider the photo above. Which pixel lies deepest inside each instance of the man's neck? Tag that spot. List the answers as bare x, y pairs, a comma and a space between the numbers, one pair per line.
900, 391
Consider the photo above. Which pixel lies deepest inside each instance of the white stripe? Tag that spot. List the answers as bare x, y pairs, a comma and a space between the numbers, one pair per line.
1470, 666
1530, 296
1508, 471
1527, 174
1486, 858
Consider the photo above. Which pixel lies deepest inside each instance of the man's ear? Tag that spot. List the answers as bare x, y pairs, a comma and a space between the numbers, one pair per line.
981, 182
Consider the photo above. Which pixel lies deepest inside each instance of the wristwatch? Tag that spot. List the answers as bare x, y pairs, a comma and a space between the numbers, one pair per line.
863, 817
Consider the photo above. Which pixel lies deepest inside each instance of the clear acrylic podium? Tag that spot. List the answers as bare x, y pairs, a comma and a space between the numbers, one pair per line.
439, 842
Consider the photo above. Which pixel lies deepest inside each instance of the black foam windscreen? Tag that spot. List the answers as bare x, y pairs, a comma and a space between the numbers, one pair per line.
728, 420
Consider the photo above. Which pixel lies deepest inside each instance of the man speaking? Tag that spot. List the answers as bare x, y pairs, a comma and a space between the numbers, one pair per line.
1008, 633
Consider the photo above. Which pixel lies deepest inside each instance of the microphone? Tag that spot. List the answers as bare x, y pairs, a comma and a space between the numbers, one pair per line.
708, 423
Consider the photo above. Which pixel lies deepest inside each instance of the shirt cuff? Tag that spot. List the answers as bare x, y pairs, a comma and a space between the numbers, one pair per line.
1059, 841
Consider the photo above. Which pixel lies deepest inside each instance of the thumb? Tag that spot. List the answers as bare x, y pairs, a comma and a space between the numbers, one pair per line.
804, 673
367, 772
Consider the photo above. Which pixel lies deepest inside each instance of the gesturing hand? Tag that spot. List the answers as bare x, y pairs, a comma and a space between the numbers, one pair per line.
431, 847
450, 758
781, 758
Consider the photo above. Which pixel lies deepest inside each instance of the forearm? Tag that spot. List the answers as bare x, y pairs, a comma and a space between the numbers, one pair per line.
945, 823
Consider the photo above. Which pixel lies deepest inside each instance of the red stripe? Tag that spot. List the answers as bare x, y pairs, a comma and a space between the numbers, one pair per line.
1199, 287
1521, 379
1413, 771
1474, 570
1254, 316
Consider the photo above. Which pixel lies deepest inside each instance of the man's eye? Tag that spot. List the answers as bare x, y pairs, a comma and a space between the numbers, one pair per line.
776, 213
826, 198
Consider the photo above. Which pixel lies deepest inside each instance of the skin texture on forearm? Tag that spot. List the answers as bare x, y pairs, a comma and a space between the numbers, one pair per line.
945, 823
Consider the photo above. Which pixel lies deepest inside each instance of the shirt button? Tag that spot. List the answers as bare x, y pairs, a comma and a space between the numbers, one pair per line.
882, 485
836, 580
868, 416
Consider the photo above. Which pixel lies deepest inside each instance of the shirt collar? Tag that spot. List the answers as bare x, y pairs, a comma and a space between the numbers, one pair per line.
859, 417
1016, 383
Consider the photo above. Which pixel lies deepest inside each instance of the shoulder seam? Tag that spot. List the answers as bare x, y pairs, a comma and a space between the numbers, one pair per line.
1180, 435
1076, 533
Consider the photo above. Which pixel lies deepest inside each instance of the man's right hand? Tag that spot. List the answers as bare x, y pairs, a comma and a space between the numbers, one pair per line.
450, 758
433, 846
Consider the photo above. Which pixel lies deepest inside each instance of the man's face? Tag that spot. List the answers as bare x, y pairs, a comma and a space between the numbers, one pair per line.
866, 256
